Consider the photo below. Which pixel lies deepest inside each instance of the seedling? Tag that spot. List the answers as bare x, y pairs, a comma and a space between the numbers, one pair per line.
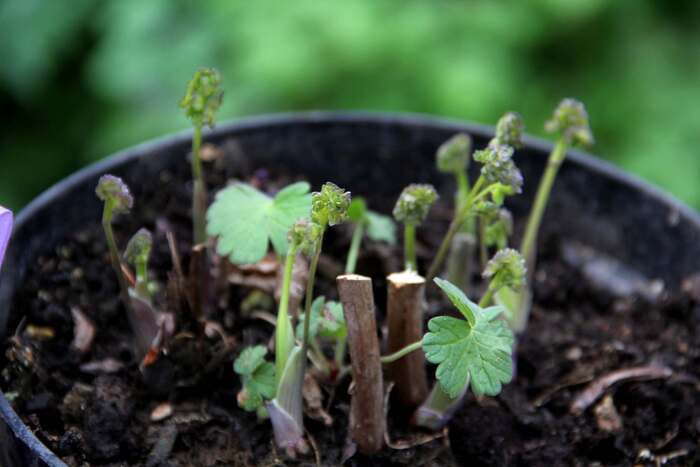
499, 178
142, 318
411, 209
453, 158
258, 379
6, 222
201, 102
137, 252
378, 227
328, 208
570, 123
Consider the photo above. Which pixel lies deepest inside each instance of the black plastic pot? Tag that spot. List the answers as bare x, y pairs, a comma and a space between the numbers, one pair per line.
376, 155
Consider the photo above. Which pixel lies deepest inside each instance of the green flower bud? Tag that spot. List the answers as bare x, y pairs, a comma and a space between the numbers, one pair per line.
139, 247
498, 166
203, 97
570, 120
499, 228
330, 205
453, 155
506, 269
509, 130
303, 235
414, 203
111, 189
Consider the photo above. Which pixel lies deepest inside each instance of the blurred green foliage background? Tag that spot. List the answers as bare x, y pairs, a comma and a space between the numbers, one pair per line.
83, 78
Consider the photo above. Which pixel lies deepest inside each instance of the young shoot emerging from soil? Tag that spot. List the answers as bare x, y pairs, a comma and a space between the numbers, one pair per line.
411, 209
201, 102
499, 178
143, 319
137, 252
329, 207
6, 223
570, 123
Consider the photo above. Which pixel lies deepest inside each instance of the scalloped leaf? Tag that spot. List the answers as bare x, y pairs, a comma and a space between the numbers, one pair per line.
246, 220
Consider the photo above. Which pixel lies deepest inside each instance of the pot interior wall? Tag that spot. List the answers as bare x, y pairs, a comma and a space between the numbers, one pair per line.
376, 156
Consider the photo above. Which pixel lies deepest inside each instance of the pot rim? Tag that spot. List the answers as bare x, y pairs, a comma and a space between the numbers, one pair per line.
232, 127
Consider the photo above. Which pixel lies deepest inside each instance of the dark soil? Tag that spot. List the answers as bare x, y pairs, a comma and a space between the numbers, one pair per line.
578, 333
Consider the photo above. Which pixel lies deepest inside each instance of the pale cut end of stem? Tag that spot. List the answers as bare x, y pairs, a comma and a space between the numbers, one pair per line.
406, 292
438, 409
367, 422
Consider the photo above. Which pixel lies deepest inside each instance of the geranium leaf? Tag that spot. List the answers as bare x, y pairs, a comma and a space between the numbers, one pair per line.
475, 352
245, 220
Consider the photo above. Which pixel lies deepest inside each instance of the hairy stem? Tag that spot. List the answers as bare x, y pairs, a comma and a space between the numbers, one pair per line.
409, 247
354, 251
455, 225
284, 334
401, 353
310, 292
199, 195
528, 243
115, 259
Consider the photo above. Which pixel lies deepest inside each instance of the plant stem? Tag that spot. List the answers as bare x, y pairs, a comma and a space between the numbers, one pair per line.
142, 279
462, 186
456, 223
340, 345
310, 292
401, 353
533, 223
409, 247
284, 334
199, 195
116, 261
354, 248
483, 249
488, 295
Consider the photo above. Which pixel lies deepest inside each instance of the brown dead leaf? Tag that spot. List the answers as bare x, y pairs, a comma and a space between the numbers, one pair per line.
606, 415
314, 401
83, 331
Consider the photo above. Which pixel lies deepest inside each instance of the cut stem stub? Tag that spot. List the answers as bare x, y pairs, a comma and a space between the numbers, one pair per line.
367, 422
405, 319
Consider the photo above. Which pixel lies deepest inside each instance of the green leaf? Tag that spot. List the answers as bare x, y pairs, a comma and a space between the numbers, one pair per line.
475, 352
246, 220
381, 228
258, 378
327, 320
332, 321
357, 211
249, 360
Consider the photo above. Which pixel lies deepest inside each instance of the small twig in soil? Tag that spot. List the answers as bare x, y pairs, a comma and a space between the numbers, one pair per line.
367, 421
596, 389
